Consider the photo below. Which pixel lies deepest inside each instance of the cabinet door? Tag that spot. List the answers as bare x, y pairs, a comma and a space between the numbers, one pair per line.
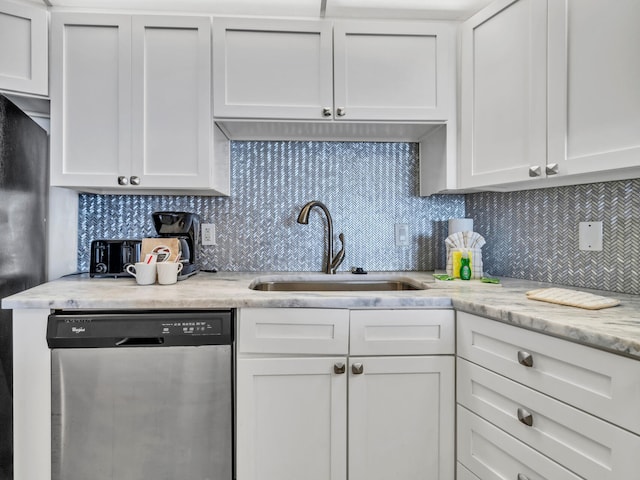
394, 71
291, 419
171, 78
23, 48
503, 94
90, 99
594, 99
401, 418
272, 69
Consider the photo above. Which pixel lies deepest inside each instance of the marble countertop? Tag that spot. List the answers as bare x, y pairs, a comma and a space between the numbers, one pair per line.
614, 329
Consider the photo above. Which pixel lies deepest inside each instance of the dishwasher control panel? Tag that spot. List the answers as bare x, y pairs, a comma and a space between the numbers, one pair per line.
128, 329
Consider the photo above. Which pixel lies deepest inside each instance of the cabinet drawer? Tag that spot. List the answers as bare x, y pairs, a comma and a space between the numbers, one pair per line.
462, 473
586, 445
491, 454
601, 383
402, 332
293, 330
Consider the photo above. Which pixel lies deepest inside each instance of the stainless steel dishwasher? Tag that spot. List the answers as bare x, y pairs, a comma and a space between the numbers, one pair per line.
141, 396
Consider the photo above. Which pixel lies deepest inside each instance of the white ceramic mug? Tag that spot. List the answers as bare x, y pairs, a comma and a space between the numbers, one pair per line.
168, 272
145, 273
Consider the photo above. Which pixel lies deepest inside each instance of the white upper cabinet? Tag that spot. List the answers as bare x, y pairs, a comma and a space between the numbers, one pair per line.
393, 71
131, 105
269, 69
171, 99
23, 48
545, 101
90, 99
503, 97
343, 70
594, 86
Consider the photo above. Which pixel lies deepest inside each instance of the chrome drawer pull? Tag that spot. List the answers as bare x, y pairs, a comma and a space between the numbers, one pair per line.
535, 171
339, 368
525, 417
522, 477
357, 368
525, 358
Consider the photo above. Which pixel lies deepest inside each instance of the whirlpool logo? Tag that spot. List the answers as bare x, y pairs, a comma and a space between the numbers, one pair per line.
78, 329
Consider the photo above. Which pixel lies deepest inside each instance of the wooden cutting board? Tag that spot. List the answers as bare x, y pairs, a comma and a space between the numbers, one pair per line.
572, 298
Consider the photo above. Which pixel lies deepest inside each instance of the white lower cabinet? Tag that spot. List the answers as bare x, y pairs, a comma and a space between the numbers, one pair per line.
401, 412
531, 406
291, 419
321, 415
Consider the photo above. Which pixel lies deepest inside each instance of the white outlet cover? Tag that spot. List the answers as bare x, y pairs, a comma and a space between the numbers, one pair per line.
208, 234
590, 236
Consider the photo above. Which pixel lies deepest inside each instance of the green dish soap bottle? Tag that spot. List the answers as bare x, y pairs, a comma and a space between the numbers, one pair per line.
465, 268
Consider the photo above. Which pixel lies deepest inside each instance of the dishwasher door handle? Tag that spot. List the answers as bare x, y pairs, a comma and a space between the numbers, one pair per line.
139, 341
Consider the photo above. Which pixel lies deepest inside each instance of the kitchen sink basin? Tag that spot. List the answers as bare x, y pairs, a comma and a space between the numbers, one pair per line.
338, 285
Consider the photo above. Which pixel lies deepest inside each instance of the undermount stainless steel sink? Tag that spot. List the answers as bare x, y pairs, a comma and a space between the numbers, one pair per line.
338, 285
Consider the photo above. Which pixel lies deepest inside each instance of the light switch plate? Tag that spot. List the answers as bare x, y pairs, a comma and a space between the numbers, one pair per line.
402, 234
590, 236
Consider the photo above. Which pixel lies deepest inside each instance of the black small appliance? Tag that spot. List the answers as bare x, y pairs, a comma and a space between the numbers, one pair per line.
110, 258
185, 227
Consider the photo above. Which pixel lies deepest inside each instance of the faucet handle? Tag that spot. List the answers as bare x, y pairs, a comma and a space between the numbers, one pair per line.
337, 260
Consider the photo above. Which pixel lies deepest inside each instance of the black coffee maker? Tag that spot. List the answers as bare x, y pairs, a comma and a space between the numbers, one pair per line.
185, 227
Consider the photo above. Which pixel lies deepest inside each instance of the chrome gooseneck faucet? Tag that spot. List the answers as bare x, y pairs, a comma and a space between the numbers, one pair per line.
331, 262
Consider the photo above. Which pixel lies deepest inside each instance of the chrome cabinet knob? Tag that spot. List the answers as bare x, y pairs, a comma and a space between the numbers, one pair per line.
123, 180
525, 358
551, 169
340, 111
135, 180
525, 417
326, 112
339, 368
357, 369
535, 171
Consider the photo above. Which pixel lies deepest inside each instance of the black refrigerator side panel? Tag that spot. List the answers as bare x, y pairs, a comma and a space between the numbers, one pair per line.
24, 181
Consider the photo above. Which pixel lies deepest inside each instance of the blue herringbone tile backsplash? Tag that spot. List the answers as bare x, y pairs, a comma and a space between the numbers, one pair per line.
534, 234
369, 187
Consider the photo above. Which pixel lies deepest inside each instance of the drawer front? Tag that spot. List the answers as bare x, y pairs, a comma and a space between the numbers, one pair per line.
491, 454
586, 445
462, 473
293, 330
402, 332
603, 384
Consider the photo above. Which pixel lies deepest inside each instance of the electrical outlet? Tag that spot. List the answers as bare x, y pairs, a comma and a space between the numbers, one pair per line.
402, 235
208, 234
590, 236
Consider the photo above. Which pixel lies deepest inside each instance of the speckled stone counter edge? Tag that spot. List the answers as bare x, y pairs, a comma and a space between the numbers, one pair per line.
614, 329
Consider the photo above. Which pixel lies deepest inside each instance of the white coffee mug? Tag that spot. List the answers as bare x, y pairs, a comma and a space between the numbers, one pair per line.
168, 272
145, 273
